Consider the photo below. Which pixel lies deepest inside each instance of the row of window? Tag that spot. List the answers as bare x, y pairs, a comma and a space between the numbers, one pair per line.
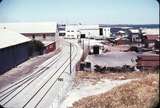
43, 36
70, 35
73, 31
70, 31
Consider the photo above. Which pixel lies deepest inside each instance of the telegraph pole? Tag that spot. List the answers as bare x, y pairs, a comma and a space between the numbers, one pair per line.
83, 49
70, 58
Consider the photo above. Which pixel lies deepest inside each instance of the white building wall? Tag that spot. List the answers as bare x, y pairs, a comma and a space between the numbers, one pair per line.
72, 31
91, 31
106, 32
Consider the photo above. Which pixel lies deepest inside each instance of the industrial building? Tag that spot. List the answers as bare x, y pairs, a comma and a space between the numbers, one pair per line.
14, 49
61, 29
89, 31
46, 32
72, 31
34, 30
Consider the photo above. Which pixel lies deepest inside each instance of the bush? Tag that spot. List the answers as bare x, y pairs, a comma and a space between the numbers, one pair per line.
124, 68
133, 48
142, 93
36, 48
99, 69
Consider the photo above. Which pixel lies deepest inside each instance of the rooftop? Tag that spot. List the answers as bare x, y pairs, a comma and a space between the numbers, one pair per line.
151, 31
10, 38
34, 27
134, 30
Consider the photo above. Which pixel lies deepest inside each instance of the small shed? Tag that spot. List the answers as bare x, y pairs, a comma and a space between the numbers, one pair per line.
150, 40
148, 61
49, 46
122, 41
14, 49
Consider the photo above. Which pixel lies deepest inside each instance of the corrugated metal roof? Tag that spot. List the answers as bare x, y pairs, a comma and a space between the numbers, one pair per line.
151, 31
10, 38
35, 27
149, 57
134, 30
152, 37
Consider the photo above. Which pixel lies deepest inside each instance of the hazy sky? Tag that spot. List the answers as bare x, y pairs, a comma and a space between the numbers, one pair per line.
84, 11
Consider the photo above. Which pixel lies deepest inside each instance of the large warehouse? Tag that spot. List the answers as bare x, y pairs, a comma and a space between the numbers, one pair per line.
46, 32
34, 30
14, 49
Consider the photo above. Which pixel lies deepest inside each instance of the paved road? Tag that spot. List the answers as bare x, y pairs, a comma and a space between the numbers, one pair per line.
46, 86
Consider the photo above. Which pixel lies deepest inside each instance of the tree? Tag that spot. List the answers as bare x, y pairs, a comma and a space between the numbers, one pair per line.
36, 47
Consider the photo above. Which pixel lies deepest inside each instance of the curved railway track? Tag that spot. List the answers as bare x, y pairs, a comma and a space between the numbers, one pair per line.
8, 94
24, 80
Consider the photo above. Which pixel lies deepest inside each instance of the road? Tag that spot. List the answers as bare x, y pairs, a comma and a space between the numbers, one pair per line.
46, 86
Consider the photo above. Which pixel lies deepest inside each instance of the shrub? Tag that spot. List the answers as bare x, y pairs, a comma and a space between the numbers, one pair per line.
133, 48
99, 69
36, 48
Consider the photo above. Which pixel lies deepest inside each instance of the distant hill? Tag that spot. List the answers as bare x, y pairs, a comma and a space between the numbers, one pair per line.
132, 25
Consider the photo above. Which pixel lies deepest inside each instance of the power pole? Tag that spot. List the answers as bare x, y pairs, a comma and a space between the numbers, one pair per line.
83, 49
70, 58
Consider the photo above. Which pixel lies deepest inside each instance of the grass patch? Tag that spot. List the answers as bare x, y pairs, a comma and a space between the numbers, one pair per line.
142, 93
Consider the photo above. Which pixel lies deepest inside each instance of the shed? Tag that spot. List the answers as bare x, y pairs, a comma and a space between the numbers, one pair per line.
122, 41
152, 38
49, 46
14, 49
148, 61
135, 35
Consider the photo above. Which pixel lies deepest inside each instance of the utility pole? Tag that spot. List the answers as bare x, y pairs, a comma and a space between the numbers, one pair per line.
83, 49
89, 42
70, 58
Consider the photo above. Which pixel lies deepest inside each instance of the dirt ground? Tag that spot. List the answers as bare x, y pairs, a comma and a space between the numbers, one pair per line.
116, 48
24, 69
96, 76
142, 93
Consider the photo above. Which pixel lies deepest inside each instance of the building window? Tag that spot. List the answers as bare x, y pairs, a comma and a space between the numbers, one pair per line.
72, 30
100, 31
44, 36
33, 36
53, 34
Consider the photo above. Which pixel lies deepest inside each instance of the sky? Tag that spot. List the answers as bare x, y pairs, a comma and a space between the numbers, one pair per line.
81, 11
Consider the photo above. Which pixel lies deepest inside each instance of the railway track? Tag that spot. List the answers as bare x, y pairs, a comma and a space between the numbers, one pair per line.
8, 94
26, 79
